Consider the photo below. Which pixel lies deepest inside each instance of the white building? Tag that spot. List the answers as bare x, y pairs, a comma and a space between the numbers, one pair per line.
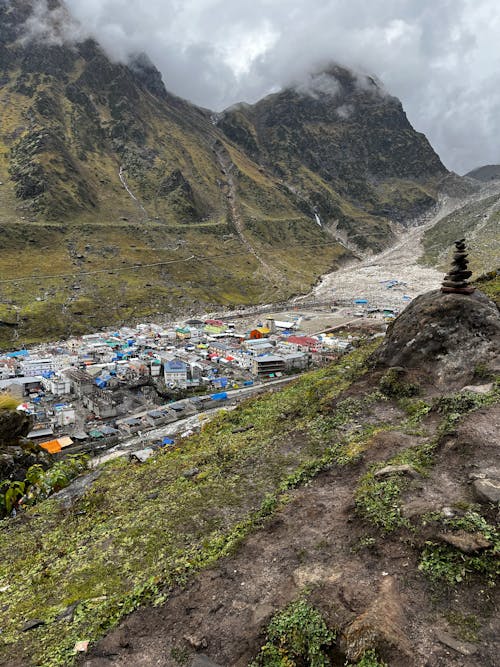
175, 373
37, 365
65, 416
58, 385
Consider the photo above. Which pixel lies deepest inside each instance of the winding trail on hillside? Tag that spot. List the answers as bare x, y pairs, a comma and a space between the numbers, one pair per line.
227, 166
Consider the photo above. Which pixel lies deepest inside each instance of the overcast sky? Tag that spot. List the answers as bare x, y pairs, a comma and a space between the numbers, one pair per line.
440, 57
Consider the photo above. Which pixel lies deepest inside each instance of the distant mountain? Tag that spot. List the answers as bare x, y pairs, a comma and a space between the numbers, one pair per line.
489, 172
139, 203
346, 146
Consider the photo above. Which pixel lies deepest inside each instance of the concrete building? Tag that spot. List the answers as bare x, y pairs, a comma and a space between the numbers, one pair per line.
82, 384
21, 386
175, 373
57, 385
267, 364
37, 365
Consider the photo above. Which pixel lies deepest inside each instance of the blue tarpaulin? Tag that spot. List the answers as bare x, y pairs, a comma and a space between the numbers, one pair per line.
167, 441
19, 353
221, 396
361, 301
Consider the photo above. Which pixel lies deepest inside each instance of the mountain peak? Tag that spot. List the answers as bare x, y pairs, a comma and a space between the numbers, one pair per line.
335, 81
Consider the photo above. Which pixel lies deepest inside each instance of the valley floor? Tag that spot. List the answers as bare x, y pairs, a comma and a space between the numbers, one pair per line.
370, 277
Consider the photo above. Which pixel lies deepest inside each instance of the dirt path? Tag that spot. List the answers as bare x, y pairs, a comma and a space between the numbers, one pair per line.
227, 167
223, 610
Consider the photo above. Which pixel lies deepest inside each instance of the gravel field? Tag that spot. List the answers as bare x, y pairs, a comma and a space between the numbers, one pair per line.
365, 279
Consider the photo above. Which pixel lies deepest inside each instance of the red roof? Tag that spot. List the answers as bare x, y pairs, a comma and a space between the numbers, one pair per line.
306, 341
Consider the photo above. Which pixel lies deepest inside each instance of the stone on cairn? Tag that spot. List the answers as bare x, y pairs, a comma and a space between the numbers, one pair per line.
456, 280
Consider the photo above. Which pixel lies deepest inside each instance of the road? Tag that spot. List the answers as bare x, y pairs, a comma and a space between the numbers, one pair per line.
148, 437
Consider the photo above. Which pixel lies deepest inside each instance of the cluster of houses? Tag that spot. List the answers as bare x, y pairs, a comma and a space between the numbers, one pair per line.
105, 384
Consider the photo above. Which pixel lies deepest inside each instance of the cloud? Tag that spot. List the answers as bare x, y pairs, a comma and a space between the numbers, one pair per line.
52, 25
440, 58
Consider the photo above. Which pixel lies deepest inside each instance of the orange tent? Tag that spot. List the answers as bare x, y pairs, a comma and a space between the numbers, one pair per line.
52, 446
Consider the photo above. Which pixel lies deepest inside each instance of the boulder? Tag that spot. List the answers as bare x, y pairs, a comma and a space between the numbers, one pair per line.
469, 543
487, 490
14, 424
403, 469
380, 626
444, 336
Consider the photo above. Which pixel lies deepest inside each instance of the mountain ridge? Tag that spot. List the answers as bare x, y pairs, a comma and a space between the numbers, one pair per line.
92, 148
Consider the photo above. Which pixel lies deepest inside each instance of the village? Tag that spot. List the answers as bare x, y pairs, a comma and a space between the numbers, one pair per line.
97, 391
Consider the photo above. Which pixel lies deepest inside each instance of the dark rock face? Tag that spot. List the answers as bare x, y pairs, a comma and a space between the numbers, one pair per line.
445, 336
14, 424
17, 453
351, 134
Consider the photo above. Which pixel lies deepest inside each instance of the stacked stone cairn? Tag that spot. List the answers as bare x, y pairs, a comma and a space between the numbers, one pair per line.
456, 280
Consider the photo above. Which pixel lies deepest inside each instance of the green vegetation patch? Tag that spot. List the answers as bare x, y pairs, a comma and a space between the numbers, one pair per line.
489, 283
298, 635
445, 563
142, 529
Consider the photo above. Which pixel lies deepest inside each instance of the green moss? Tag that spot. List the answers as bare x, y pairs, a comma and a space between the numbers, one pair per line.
448, 564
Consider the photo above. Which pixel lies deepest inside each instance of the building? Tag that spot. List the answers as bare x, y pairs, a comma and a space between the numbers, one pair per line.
57, 385
268, 364
37, 365
303, 342
175, 373
82, 383
101, 404
296, 361
65, 415
21, 386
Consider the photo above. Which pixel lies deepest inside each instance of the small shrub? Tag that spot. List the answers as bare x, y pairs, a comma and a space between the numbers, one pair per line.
452, 566
378, 502
392, 384
370, 659
449, 565
298, 635
9, 402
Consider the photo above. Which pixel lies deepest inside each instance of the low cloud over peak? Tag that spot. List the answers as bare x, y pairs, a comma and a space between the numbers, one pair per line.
440, 58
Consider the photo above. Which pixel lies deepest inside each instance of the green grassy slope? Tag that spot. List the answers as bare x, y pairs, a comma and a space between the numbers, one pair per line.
479, 223
98, 554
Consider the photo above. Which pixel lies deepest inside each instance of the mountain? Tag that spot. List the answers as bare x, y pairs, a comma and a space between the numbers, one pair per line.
344, 145
477, 220
124, 201
488, 172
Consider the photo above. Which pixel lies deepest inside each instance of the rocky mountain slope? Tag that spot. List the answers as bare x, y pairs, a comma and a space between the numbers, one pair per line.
477, 218
350, 518
344, 145
488, 172
125, 201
